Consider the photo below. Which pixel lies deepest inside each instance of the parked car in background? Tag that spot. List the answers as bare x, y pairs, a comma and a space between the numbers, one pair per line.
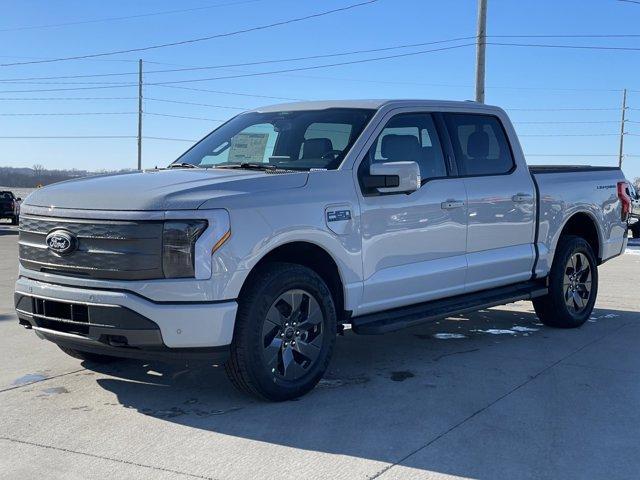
634, 221
10, 206
289, 222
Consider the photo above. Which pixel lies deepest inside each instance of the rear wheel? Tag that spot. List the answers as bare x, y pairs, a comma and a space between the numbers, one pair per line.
15, 220
635, 229
87, 356
573, 285
285, 333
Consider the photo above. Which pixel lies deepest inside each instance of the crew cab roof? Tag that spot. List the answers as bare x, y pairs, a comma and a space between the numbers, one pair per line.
373, 105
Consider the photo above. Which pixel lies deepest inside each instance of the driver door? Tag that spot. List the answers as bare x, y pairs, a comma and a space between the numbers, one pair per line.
413, 245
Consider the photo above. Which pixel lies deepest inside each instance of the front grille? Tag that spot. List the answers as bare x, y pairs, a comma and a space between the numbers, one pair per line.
61, 316
106, 249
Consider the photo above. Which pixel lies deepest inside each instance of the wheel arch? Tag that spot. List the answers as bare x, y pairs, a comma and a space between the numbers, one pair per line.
312, 256
583, 224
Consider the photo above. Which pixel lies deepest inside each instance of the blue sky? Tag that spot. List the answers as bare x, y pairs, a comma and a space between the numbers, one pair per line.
518, 78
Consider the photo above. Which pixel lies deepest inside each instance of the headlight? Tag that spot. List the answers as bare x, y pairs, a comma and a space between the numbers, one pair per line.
178, 247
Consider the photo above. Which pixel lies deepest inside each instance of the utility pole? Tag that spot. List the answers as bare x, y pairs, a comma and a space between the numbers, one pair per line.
140, 114
624, 111
481, 44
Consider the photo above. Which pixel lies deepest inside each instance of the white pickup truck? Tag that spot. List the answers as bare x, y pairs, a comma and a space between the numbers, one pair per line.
288, 222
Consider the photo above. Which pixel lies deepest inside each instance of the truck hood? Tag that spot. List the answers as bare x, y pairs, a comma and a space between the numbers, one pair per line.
177, 189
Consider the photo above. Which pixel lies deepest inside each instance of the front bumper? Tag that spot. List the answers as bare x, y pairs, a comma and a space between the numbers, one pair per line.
121, 323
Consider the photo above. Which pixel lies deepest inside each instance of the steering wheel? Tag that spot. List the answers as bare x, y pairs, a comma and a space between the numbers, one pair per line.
331, 154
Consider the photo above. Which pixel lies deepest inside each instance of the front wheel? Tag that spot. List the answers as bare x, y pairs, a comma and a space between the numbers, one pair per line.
573, 285
285, 333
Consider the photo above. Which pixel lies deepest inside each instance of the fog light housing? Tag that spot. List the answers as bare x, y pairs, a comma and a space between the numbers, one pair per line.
178, 247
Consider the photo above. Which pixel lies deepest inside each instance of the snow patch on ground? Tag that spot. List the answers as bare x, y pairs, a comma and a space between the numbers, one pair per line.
496, 331
518, 328
632, 250
512, 331
448, 336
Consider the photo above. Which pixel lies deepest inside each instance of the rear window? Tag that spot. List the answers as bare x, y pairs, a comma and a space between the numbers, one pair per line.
6, 196
480, 144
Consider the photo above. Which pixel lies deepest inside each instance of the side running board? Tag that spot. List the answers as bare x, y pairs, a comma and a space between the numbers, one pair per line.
403, 317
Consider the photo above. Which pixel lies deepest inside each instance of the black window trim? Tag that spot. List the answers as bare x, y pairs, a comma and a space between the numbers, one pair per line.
460, 163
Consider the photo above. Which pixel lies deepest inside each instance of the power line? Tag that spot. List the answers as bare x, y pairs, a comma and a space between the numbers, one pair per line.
246, 64
560, 109
128, 17
571, 35
239, 94
65, 137
570, 155
578, 47
253, 74
37, 82
66, 98
568, 135
313, 67
194, 103
566, 122
68, 89
200, 39
183, 116
170, 139
64, 114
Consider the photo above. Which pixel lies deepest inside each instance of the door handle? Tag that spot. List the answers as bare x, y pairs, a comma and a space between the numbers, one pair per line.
522, 197
450, 204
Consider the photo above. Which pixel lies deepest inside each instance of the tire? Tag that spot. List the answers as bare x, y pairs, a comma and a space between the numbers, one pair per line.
563, 307
15, 220
284, 335
635, 229
87, 356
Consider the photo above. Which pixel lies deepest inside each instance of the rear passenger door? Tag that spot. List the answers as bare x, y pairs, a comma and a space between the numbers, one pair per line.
413, 246
501, 202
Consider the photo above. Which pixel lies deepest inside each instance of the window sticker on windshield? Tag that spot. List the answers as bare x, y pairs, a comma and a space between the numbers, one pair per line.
248, 147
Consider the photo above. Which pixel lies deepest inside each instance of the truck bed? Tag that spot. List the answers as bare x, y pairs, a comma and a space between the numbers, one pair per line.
563, 191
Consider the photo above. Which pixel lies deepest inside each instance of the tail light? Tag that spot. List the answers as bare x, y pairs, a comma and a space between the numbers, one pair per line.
13, 205
625, 200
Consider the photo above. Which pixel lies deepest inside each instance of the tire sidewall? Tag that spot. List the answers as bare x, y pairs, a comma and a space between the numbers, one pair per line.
254, 313
568, 248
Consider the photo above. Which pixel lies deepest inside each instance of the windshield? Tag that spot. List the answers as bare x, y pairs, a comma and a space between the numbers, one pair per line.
297, 140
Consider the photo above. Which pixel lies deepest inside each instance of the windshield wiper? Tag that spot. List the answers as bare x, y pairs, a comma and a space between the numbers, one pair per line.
262, 166
182, 165
250, 166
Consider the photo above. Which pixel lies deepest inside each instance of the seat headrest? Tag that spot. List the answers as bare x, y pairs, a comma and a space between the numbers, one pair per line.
399, 148
478, 145
316, 147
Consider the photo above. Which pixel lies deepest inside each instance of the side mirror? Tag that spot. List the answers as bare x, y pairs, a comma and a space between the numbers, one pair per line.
394, 177
18, 199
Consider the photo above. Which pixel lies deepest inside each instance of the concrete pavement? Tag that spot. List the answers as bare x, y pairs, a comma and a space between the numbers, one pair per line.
488, 395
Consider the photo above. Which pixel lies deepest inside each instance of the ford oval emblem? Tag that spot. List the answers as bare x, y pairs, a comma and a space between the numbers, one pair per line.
61, 242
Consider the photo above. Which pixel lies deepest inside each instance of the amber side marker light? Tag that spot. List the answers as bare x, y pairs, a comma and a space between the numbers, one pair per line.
221, 242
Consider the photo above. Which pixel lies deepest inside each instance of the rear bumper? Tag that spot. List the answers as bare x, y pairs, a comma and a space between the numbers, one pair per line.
124, 324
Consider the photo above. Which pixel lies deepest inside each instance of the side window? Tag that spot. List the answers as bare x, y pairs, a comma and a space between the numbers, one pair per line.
410, 137
480, 144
